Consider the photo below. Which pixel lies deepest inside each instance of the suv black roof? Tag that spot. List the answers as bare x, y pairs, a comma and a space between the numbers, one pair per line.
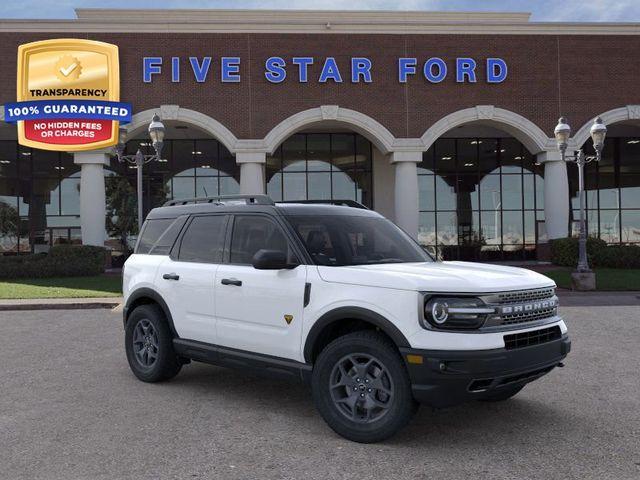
258, 204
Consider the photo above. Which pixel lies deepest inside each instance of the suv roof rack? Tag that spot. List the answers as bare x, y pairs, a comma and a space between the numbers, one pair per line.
222, 199
344, 203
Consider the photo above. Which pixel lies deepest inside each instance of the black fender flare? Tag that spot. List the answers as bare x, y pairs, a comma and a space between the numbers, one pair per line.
355, 313
145, 292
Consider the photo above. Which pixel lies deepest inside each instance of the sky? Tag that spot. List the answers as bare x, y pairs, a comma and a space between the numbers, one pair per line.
542, 10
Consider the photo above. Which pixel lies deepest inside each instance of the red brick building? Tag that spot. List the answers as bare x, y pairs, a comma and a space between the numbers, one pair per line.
441, 121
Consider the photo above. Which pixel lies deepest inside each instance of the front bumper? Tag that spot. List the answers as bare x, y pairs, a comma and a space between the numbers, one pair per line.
446, 378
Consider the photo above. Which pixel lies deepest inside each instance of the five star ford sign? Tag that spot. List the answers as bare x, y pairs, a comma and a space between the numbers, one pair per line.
68, 95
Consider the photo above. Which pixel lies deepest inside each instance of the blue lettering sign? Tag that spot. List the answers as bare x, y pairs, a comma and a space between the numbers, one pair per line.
496, 70
330, 71
428, 70
230, 70
465, 67
406, 66
200, 71
360, 67
151, 66
275, 69
303, 65
435, 69
175, 69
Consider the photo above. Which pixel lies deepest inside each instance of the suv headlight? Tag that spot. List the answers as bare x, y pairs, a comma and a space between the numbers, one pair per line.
451, 313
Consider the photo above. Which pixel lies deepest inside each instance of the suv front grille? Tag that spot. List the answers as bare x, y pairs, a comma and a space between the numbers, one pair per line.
528, 317
525, 295
522, 306
534, 337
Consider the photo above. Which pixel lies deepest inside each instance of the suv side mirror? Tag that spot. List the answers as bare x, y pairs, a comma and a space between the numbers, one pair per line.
271, 260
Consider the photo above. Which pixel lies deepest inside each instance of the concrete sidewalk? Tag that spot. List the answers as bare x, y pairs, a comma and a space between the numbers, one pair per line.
59, 303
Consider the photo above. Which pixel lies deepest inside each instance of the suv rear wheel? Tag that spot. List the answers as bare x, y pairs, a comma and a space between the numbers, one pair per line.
149, 345
361, 387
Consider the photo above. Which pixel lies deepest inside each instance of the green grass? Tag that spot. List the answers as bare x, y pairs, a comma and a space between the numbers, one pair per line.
69, 287
607, 279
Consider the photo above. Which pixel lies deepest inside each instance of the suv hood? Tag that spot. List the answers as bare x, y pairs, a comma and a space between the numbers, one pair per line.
451, 277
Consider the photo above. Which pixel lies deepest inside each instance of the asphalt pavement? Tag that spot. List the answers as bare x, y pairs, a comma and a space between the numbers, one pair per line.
71, 409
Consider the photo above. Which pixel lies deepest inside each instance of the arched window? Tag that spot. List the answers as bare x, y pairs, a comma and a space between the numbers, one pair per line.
480, 199
320, 166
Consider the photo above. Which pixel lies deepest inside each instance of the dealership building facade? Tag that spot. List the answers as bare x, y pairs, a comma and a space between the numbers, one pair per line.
442, 122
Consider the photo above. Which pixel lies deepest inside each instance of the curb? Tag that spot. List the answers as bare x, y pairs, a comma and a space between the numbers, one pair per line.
8, 307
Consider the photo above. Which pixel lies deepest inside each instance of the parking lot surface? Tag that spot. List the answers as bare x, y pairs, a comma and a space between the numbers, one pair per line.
71, 409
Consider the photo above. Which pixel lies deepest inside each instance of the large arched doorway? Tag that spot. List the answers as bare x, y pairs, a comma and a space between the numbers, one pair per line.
480, 196
327, 153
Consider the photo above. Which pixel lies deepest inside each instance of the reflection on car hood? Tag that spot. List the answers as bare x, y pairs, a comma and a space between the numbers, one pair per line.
461, 277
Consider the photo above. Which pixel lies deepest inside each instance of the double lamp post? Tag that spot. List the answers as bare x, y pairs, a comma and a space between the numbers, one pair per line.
598, 132
156, 133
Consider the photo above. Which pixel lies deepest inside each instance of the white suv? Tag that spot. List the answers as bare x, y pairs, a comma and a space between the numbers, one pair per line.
336, 296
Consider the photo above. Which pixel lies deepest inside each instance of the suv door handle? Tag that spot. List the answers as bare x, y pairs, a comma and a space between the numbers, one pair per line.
171, 276
231, 281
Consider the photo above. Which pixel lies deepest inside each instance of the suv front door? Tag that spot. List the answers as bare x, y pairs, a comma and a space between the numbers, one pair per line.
259, 310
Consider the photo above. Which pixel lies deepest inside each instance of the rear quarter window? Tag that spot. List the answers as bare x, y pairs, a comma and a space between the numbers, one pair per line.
158, 235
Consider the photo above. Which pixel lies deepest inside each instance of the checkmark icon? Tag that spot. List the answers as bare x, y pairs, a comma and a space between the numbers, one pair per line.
68, 68
66, 71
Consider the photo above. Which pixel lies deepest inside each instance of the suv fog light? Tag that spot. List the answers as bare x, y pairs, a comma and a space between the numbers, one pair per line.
455, 313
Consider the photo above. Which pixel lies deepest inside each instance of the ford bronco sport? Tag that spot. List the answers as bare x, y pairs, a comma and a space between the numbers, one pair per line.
339, 297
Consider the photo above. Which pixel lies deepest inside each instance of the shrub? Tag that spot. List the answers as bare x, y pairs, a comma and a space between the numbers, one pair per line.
61, 261
564, 252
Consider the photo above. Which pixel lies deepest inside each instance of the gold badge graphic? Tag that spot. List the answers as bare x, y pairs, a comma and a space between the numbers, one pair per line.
288, 318
60, 80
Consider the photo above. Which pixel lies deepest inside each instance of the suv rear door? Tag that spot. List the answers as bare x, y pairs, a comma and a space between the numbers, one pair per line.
259, 310
186, 279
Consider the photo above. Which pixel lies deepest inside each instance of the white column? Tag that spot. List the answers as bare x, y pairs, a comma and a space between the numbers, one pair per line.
93, 209
406, 190
556, 194
251, 172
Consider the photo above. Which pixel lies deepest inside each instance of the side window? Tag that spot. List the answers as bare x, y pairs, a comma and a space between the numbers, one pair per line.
204, 240
151, 232
252, 233
168, 238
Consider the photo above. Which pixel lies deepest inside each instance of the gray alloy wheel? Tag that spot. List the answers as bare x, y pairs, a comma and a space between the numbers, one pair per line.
149, 345
361, 387
145, 343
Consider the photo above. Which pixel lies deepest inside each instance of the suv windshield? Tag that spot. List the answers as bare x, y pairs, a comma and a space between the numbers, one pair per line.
355, 240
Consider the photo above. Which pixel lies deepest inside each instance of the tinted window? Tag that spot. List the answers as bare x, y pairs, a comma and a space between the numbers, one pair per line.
167, 239
151, 232
204, 240
347, 240
252, 233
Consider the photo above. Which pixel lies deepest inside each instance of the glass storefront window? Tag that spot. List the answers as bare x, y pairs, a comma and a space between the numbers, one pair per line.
612, 191
479, 199
321, 166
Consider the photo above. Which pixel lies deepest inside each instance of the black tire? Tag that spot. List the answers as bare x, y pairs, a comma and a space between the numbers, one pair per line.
501, 395
161, 361
350, 417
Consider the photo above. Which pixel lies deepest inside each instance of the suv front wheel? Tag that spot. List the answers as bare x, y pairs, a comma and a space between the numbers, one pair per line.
361, 387
149, 345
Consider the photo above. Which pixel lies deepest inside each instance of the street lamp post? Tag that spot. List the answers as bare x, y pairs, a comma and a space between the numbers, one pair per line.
156, 133
562, 133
